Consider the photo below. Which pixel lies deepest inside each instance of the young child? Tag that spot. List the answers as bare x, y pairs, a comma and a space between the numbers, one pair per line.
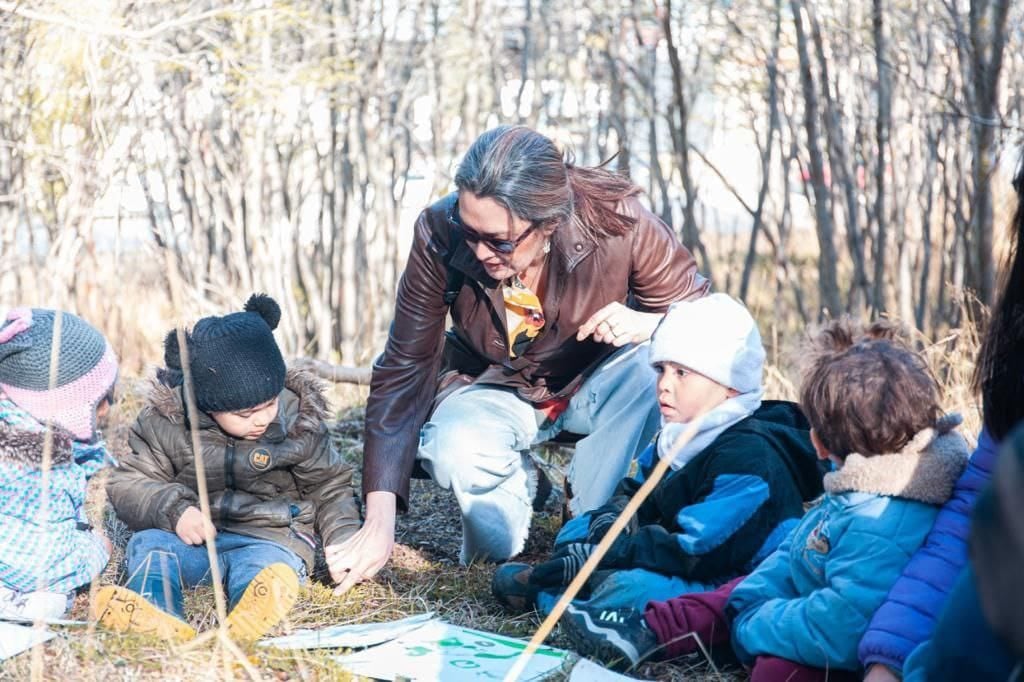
732, 495
275, 482
47, 548
799, 616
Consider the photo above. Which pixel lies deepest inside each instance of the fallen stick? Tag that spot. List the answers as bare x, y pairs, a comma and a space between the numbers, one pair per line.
339, 374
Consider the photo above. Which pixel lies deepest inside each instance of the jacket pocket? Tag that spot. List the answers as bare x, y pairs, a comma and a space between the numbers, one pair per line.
305, 538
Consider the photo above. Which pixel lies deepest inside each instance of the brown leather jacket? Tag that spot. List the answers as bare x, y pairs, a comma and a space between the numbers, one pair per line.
290, 486
647, 269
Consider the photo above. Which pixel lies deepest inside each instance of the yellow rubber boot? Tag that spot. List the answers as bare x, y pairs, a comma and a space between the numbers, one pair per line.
122, 610
266, 600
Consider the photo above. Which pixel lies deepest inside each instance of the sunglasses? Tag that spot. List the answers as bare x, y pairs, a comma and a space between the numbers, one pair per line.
502, 247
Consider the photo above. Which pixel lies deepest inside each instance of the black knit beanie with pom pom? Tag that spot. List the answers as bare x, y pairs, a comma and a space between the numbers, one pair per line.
235, 361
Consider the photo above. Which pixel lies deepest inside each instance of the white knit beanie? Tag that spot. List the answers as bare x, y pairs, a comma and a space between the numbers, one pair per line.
714, 336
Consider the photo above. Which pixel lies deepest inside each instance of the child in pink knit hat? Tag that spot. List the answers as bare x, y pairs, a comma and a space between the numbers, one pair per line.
47, 548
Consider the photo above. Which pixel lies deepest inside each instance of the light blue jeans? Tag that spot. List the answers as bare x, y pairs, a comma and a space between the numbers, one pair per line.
477, 444
159, 562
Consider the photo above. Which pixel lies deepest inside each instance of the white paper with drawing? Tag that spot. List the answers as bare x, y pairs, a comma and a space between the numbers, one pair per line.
349, 636
448, 653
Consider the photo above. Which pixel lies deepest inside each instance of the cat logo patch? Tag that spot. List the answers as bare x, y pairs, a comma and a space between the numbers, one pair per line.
260, 459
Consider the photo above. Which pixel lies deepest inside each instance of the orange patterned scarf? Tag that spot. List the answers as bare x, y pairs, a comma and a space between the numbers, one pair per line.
523, 315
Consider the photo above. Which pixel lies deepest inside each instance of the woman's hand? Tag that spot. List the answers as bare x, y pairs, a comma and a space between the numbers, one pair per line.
366, 552
618, 325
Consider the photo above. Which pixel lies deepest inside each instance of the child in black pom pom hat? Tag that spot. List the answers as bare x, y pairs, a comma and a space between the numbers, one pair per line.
277, 486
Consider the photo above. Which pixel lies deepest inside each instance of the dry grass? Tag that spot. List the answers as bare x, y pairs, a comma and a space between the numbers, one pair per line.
423, 575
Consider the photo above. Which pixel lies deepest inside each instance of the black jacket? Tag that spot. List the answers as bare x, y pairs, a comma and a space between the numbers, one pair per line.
728, 507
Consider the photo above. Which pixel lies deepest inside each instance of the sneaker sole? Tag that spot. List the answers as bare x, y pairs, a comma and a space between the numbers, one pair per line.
265, 602
122, 610
601, 649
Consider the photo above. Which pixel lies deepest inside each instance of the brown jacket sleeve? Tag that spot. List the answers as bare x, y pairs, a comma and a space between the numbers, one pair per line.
326, 480
405, 375
663, 270
142, 488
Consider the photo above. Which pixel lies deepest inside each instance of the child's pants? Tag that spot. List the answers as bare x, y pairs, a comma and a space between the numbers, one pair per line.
625, 588
616, 588
679, 622
159, 563
475, 441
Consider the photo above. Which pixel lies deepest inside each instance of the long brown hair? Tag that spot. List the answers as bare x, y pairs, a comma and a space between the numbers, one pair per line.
526, 173
999, 374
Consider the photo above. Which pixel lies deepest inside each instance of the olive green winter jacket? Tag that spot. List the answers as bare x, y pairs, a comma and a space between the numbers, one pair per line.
290, 486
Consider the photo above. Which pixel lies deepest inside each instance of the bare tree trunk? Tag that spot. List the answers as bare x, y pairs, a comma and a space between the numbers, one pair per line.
882, 126
840, 165
766, 152
987, 25
679, 121
828, 285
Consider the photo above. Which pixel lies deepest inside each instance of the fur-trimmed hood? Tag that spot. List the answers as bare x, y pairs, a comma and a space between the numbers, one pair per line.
23, 439
302, 409
19, 446
924, 470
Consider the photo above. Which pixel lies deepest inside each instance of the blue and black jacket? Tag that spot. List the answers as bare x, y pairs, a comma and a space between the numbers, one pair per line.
729, 507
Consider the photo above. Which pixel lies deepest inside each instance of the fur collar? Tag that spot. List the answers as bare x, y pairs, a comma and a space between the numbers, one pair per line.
25, 447
303, 405
924, 470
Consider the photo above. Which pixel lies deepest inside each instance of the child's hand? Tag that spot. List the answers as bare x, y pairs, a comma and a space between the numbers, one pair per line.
192, 526
104, 539
880, 673
562, 567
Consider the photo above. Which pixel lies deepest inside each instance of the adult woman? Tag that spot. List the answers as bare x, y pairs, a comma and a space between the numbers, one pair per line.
536, 260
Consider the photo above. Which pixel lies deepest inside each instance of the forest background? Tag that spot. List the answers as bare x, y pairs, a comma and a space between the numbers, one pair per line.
817, 157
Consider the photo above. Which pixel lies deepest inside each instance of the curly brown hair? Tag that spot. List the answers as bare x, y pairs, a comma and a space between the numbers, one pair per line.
864, 389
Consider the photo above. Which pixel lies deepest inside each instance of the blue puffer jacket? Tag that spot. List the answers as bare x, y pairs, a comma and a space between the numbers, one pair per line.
810, 601
55, 553
908, 615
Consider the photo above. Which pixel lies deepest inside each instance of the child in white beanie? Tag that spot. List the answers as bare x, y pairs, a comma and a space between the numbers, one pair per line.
734, 492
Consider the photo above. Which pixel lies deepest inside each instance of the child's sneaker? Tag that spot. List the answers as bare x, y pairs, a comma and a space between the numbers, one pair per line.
267, 599
122, 610
619, 638
511, 587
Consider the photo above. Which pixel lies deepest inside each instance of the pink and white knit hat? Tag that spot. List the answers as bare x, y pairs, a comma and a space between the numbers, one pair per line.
86, 368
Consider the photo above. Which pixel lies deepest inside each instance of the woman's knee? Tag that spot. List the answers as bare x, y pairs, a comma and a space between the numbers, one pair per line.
460, 450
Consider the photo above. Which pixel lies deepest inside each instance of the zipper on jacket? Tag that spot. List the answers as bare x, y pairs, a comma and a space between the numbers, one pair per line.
229, 475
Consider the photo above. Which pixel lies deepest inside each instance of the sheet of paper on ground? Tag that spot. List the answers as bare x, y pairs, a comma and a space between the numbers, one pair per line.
449, 653
17, 638
45, 621
586, 670
349, 636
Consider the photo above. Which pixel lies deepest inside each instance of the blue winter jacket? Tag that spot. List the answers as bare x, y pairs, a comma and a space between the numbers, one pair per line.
55, 553
908, 615
810, 601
